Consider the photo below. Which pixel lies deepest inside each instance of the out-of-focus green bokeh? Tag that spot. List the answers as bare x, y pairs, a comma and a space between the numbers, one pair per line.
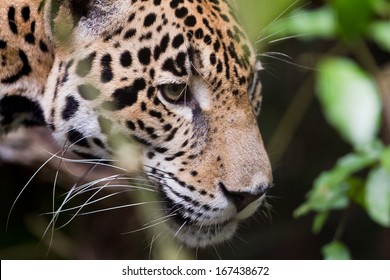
257, 15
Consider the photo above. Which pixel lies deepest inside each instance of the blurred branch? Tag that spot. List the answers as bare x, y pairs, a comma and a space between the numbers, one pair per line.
290, 121
383, 79
33, 146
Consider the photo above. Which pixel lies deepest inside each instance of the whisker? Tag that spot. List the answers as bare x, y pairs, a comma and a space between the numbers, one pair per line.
143, 187
289, 37
24, 187
275, 54
98, 161
200, 74
279, 17
177, 232
233, 247
158, 219
216, 252
268, 36
89, 203
53, 202
196, 252
178, 251
154, 238
144, 228
55, 216
239, 237
288, 62
117, 207
79, 210
76, 191
91, 186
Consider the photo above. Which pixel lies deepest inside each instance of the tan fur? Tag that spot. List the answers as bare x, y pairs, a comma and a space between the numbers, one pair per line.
40, 62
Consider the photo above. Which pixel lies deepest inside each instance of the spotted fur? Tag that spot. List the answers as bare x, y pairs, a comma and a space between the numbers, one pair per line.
97, 70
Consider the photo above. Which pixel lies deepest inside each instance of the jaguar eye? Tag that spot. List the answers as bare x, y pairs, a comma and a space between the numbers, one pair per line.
174, 93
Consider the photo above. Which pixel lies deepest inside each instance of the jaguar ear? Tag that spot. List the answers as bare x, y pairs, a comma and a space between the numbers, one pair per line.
67, 21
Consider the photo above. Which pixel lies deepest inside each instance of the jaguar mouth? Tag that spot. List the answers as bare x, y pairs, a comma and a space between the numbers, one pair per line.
192, 229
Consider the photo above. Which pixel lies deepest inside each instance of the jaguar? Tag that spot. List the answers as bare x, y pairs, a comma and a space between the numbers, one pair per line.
177, 78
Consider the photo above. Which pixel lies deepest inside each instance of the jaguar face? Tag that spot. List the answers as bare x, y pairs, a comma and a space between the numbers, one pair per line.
181, 80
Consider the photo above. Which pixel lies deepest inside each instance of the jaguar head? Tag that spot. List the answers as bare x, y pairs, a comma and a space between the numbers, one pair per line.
182, 80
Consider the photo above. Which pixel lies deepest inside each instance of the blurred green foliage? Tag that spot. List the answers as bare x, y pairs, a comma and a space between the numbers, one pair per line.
336, 251
346, 87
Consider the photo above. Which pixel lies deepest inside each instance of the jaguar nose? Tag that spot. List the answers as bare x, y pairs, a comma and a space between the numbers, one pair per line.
242, 199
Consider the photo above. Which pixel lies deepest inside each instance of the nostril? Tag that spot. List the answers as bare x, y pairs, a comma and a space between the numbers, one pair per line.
239, 199
242, 199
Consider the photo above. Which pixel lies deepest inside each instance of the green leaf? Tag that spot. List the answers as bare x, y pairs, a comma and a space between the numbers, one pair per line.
319, 23
357, 191
380, 32
351, 163
331, 189
319, 221
350, 100
327, 194
352, 18
381, 7
336, 251
378, 196
385, 159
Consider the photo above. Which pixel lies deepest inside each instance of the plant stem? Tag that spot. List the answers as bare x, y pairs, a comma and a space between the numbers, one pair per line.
341, 227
